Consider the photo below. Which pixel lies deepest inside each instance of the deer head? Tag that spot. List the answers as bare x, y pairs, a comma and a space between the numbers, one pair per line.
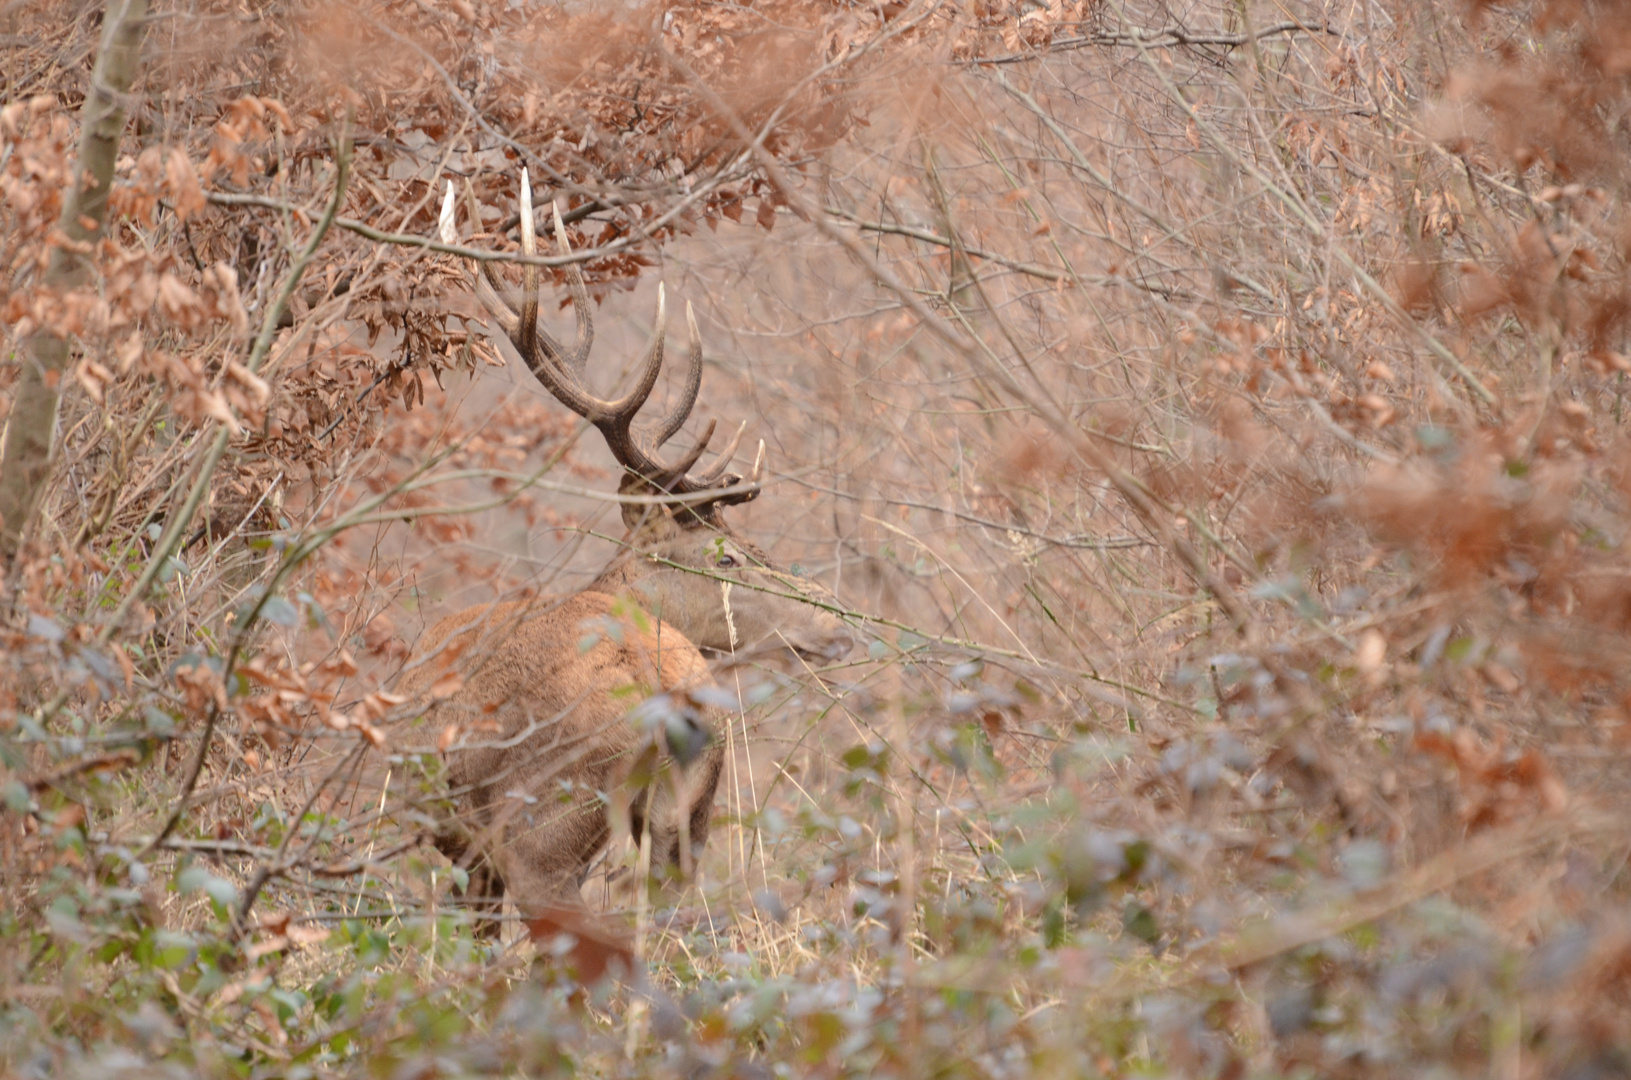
680, 561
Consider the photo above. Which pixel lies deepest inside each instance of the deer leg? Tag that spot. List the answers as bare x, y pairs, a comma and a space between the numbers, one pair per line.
549, 847
483, 891
485, 897
677, 808
657, 811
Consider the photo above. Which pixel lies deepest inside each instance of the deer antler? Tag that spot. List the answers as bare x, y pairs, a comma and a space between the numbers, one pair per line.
561, 371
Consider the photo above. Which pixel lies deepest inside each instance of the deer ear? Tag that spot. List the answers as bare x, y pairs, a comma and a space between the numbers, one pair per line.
653, 519
643, 515
636, 515
702, 519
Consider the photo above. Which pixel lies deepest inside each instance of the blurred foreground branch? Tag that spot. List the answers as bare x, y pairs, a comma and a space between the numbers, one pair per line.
28, 454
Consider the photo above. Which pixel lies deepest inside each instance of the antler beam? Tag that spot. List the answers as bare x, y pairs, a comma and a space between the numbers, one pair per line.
561, 370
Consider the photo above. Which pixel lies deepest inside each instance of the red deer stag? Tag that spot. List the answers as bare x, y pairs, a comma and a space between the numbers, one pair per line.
544, 703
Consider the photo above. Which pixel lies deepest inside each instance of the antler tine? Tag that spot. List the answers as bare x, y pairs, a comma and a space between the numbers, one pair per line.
444, 222
630, 403
561, 370
508, 320
527, 337
678, 470
710, 476
672, 423
487, 285
704, 510
615, 418
575, 360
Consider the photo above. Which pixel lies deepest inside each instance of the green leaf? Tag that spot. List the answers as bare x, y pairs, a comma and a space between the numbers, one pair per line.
1364, 863
278, 610
45, 628
196, 878
1435, 437
314, 610
856, 756
1137, 854
1139, 921
221, 890
159, 722
191, 880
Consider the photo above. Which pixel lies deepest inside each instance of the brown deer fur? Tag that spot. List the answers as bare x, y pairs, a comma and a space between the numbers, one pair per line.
544, 712
537, 695
547, 686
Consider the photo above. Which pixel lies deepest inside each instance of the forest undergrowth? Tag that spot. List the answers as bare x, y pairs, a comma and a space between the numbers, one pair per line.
1213, 427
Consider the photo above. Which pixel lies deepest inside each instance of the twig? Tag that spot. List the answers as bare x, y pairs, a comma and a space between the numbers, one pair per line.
927, 236
275, 865
363, 229
112, 759
1172, 35
1315, 228
178, 523
1155, 514
1080, 542
1456, 865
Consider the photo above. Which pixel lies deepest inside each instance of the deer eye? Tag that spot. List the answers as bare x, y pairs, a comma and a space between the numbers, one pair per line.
725, 562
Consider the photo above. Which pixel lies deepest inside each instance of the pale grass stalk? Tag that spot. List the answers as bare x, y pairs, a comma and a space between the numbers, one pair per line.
384, 788
923, 546
906, 858
635, 1020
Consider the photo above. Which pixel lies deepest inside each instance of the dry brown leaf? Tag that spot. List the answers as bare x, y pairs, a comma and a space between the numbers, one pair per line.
446, 686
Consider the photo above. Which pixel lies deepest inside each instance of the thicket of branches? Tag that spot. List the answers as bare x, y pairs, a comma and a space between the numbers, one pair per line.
1214, 423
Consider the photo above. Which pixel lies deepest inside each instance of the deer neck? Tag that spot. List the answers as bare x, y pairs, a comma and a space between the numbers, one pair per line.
620, 576
636, 576
680, 598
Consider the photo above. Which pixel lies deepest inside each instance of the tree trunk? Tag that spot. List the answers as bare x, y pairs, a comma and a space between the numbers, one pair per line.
25, 462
